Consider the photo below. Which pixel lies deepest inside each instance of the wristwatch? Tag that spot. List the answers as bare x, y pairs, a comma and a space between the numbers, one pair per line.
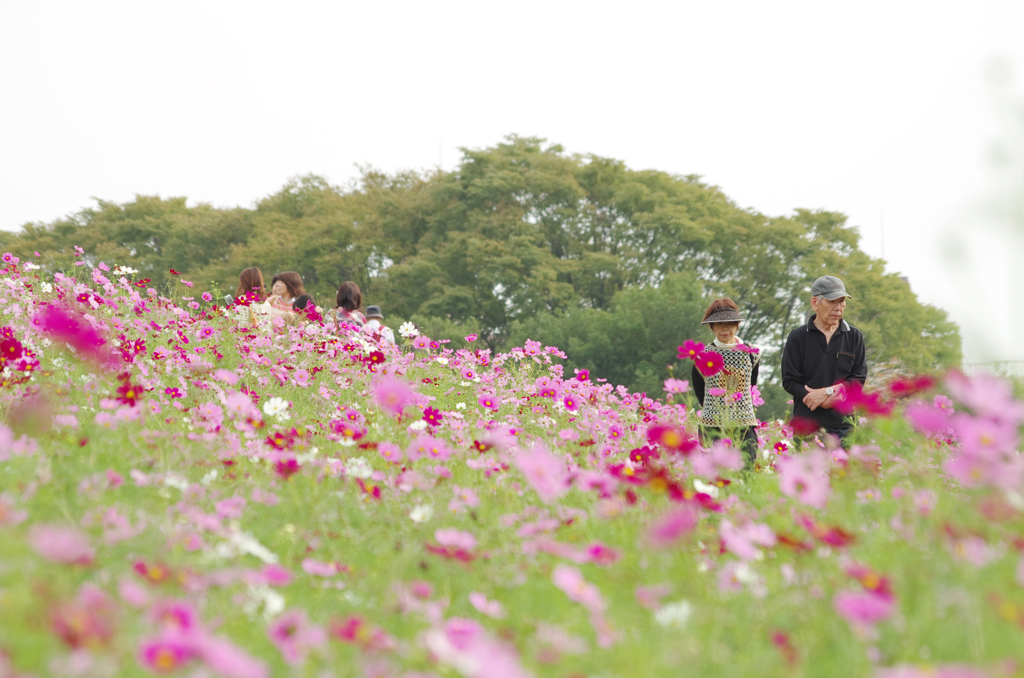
830, 391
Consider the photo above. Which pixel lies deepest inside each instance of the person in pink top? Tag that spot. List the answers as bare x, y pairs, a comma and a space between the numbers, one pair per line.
350, 300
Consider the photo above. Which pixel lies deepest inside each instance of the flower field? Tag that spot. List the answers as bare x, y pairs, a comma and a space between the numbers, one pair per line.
198, 491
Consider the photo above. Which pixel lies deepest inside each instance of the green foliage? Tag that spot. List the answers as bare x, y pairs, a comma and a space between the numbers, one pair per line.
524, 238
634, 341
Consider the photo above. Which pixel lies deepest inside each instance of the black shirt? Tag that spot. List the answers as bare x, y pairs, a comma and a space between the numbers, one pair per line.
808, 359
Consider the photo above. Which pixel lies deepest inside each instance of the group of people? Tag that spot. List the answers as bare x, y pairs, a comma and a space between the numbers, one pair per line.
819, 360
288, 299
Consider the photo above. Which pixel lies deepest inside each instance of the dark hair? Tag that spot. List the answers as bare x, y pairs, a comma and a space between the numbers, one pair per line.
720, 305
301, 303
349, 296
291, 280
248, 280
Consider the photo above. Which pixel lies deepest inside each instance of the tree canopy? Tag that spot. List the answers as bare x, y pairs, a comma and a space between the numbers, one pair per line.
613, 265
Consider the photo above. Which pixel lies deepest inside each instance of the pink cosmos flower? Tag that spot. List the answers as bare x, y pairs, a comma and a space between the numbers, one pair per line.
457, 539
319, 568
61, 544
571, 402
672, 526
231, 508
929, 671
650, 596
927, 419
862, 608
294, 636
227, 660
421, 342
301, 378
721, 456
491, 608
228, 377
393, 394
468, 374
546, 473
207, 297
986, 394
9, 515
391, 452
471, 338
489, 402
743, 541
805, 477
717, 392
571, 581
677, 386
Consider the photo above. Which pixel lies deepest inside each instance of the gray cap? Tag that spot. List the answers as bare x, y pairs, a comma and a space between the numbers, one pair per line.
373, 312
829, 287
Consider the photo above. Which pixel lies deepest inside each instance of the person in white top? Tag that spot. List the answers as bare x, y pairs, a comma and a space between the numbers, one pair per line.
375, 326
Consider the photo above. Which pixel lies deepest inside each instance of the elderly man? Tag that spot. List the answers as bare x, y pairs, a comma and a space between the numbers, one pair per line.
823, 355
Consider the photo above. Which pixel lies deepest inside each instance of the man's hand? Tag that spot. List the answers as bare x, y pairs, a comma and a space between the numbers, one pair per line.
816, 397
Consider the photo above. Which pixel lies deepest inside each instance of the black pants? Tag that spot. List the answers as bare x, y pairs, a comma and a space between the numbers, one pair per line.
748, 444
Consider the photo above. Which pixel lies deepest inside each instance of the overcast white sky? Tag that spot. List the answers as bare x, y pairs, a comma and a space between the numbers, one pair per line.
881, 110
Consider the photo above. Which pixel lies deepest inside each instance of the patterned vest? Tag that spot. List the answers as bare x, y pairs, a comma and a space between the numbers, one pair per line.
734, 408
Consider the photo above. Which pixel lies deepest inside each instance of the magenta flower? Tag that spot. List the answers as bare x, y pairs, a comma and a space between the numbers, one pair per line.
672, 526
805, 477
71, 328
468, 374
471, 338
690, 350
571, 402
709, 363
165, 654
433, 416
571, 581
393, 394
207, 297
61, 544
546, 474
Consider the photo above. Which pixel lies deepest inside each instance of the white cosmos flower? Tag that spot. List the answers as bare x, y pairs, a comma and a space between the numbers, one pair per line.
674, 615
709, 490
442, 361
358, 467
418, 425
276, 407
408, 330
422, 513
460, 406
47, 287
